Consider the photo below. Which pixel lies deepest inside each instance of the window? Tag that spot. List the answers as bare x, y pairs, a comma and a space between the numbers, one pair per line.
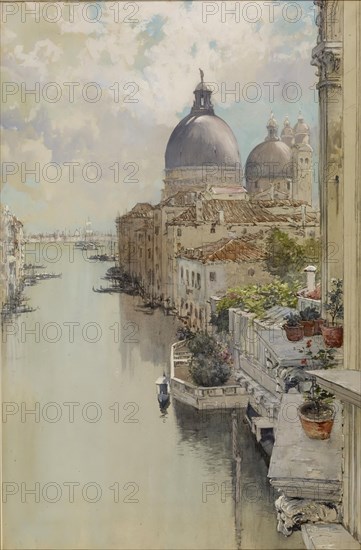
213, 229
148, 238
187, 276
182, 272
148, 252
198, 280
179, 232
193, 278
306, 161
156, 230
212, 275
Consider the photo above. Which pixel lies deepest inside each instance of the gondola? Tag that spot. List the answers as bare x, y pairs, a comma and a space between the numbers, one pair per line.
163, 394
103, 290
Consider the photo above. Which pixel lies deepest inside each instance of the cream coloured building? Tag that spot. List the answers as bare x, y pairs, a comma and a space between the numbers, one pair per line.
203, 201
12, 255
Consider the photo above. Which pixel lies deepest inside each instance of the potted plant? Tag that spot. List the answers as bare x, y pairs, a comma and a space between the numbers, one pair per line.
317, 414
309, 315
293, 327
331, 332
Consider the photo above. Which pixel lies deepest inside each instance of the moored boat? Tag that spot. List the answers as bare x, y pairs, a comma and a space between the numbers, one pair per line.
163, 394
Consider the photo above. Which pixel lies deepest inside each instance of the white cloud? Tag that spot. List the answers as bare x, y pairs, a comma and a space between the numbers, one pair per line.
163, 65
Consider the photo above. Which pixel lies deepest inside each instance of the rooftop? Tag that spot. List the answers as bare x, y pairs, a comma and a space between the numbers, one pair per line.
245, 212
234, 250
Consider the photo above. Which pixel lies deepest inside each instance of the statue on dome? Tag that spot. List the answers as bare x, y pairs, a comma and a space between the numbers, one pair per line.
202, 75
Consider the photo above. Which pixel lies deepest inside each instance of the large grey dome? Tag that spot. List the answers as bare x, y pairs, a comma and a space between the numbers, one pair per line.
201, 139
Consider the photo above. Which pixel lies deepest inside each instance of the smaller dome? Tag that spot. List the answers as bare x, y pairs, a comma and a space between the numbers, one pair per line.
270, 159
203, 86
272, 128
286, 130
301, 130
272, 123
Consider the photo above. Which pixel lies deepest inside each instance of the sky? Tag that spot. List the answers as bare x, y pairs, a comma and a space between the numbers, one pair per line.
111, 80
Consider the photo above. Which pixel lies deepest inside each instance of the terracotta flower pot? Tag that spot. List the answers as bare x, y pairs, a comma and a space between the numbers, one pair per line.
294, 334
308, 328
332, 336
318, 325
316, 426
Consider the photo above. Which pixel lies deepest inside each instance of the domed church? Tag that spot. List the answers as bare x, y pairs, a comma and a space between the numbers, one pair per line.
281, 168
202, 149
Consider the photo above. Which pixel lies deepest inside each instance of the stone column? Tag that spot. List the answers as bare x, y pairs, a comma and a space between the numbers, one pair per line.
327, 57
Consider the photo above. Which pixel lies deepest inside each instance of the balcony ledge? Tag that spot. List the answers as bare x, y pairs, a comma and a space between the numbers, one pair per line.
345, 384
321, 536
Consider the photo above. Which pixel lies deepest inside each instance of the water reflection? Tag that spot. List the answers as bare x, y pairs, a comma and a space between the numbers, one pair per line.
179, 461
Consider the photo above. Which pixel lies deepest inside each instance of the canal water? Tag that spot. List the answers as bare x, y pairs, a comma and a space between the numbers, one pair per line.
89, 461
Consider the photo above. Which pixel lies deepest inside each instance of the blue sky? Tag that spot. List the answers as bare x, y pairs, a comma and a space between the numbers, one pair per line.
144, 60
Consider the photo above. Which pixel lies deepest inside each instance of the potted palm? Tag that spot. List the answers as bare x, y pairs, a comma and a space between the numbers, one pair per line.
317, 414
309, 316
293, 327
332, 332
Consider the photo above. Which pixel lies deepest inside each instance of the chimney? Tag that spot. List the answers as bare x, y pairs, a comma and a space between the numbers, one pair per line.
272, 191
199, 210
311, 277
290, 188
303, 214
221, 216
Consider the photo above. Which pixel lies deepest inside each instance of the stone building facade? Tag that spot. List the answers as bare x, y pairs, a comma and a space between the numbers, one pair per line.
203, 201
12, 255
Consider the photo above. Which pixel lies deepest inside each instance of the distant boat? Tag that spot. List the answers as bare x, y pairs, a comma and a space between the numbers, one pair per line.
103, 290
32, 266
163, 395
44, 276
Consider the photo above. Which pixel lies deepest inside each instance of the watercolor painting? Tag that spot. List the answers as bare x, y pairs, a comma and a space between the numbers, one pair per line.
180, 275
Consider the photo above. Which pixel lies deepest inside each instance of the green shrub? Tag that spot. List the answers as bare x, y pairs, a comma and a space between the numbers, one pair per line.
259, 298
210, 363
209, 371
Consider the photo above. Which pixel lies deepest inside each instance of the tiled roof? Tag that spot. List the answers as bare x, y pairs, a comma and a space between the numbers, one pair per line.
234, 250
234, 211
179, 199
244, 212
230, 190
140, 210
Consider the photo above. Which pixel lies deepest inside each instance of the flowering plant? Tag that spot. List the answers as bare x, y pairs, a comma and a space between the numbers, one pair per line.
323, 358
